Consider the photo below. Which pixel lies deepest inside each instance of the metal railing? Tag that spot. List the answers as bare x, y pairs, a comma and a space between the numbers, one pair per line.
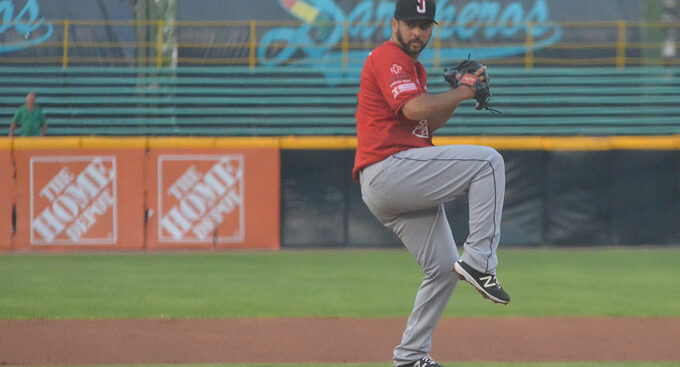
74, 43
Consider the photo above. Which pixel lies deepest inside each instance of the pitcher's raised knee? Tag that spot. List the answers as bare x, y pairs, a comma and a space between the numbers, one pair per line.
496, 159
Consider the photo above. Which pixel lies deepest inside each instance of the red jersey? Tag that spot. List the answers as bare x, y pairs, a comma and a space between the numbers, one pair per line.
389, 79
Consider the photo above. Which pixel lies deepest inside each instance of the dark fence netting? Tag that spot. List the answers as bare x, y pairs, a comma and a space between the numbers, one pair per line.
553, 198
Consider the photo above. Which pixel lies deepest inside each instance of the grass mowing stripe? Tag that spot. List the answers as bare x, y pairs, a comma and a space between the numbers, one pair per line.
329, 283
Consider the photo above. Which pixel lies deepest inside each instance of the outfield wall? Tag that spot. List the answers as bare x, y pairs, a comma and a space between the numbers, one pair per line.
214, 193
553, 198
138, 193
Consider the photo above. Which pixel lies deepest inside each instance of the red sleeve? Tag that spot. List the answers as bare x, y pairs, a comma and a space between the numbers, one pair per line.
397, 78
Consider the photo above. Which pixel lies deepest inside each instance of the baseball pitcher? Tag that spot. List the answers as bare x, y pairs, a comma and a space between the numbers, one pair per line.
405, 179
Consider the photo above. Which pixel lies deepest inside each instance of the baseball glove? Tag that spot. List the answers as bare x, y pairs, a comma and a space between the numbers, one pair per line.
464, 74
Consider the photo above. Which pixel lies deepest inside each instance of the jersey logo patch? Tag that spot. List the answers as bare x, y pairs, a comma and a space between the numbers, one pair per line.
422, 130
401, 88
396, 69
400, 78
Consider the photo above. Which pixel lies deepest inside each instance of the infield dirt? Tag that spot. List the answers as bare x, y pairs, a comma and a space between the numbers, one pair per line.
337, 340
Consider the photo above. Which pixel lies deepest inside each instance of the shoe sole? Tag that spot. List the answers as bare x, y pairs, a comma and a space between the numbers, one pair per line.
464, 275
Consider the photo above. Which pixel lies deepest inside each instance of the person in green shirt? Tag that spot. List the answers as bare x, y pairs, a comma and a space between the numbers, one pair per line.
30, 118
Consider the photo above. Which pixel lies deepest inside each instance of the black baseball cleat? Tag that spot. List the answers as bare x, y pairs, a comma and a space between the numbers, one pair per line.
423, 362
486, 284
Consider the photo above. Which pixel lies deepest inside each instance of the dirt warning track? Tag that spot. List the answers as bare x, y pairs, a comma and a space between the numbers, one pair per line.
72, 342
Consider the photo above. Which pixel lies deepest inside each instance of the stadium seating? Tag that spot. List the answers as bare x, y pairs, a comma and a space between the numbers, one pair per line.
238, 101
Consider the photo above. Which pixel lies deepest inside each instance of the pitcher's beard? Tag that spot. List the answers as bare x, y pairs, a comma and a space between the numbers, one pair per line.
406, 47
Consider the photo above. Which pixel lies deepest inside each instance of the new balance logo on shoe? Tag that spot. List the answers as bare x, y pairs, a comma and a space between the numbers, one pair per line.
488, 281
486, 284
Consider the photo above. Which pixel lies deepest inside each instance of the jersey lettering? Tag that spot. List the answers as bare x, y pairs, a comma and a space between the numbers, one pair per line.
421, 7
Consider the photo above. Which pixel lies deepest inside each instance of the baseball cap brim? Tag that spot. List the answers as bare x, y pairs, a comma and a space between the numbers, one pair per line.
408, 19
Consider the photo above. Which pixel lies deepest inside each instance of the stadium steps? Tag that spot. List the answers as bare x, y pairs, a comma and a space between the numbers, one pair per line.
239, 101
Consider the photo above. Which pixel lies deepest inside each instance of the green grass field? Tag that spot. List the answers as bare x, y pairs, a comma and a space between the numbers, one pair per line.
334, 283
329, 283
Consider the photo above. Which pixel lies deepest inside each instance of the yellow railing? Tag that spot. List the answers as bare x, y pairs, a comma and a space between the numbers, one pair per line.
152, 50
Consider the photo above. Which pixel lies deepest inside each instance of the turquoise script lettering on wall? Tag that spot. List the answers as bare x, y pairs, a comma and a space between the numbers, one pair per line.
479, 21
24, 24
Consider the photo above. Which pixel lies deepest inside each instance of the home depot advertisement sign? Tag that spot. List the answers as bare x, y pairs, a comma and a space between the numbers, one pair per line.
205, 203
76, 199
78, 204
214, 199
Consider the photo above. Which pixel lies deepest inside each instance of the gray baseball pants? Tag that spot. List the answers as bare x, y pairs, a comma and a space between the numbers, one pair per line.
407, 192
